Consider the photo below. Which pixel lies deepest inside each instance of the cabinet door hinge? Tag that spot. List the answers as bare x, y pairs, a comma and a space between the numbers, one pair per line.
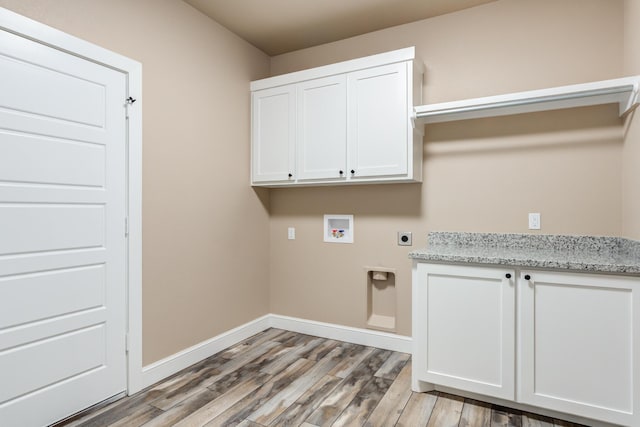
126, 343
126, 226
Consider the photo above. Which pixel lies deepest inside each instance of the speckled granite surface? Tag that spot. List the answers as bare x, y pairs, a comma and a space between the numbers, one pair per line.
585, 253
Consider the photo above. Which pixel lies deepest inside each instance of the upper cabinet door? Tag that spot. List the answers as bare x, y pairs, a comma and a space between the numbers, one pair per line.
322, 128
273, 134
378, 117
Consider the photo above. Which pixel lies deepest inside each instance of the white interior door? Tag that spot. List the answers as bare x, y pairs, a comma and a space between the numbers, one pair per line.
62, 238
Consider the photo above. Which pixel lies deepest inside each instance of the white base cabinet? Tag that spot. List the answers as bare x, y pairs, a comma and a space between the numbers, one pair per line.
579, 347
464, 334
565, 342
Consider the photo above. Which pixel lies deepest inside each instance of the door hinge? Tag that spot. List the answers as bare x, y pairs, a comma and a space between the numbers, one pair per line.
126, 226
128, 103
126, 343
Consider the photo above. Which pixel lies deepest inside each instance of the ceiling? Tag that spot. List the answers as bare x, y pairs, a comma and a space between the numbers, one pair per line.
280, 26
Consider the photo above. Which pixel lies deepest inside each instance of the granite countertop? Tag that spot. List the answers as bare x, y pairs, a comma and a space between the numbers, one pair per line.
585, 253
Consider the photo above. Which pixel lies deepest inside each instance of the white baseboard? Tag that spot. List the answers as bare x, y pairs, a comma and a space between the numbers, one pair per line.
332, 331
168, 366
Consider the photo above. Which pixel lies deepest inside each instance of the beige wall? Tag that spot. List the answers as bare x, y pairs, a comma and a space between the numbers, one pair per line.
631, 153
205, 231
215, 251
481, 175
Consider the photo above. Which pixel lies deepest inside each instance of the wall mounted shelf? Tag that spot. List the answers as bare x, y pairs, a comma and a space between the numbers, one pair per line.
623, 91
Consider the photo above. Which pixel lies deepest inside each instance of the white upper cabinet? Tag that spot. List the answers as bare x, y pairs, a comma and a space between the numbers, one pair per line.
322, 128
378, 118
272, 134
343, 123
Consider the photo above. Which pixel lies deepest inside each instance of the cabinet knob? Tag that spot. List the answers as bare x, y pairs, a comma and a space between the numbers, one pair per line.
508, 275
353, 171
290, 175
341, 172
527, 277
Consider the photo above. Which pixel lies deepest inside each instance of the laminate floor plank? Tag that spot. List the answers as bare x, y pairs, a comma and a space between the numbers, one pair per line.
270, 334
291, 354
183, 409
239, 361
531, 420
393, 365
249, 404
192, 385
271, 409
475, 414
115, 411
352, 360
394, 401
327, 412
138, 417
418, 410
447, 411
214, 408
124, 406
243, 373
505, 417
247, 423
359, 409
306, 404
283, 378
322, 350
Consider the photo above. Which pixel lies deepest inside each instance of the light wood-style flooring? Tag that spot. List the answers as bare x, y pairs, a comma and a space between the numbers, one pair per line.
281, 378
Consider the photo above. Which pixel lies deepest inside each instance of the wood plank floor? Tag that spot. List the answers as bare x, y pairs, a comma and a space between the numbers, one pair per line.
281, 378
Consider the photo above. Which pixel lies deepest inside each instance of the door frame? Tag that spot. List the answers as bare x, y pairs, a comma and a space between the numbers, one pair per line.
41, 33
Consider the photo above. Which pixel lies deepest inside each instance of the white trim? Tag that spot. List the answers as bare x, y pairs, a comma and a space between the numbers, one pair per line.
134, 178
161, 369
360, 336
41, 33
399, 55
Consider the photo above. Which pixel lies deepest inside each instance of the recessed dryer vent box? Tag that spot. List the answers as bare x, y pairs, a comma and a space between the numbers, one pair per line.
338, 228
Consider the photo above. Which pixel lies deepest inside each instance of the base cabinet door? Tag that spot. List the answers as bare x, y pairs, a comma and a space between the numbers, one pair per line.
464, 328
580, 341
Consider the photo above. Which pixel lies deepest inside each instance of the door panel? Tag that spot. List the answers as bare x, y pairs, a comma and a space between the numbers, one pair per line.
86, 284
51, 360
378, 121
46, 227
44, 160
62, 242
464, 332
580, 344
322, 128
273, 134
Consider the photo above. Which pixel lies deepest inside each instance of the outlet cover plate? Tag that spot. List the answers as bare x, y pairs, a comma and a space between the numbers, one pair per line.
404, 238
534, 221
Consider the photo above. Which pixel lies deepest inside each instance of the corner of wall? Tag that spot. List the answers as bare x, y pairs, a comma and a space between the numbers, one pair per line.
631, 148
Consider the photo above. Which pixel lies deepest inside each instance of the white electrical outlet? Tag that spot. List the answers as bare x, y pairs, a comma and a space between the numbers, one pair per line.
534, 221
291, 233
